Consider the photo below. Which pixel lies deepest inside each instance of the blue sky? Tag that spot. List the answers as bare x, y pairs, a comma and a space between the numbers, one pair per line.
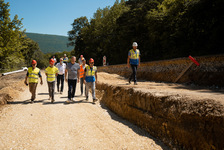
54, 16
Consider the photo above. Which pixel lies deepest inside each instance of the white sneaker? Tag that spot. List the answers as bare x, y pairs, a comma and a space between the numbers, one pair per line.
68, 101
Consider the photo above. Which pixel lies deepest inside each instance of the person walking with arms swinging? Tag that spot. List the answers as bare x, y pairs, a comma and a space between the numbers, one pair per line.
90, 77
72, 70
33, 73
51, 73
133, 61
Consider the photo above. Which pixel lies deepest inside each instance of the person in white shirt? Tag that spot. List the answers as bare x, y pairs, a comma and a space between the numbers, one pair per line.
60, 78
55, 60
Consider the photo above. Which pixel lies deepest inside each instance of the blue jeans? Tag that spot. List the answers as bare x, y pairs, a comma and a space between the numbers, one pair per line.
71, 88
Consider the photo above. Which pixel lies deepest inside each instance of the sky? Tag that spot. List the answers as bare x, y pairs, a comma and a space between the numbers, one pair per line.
53, 16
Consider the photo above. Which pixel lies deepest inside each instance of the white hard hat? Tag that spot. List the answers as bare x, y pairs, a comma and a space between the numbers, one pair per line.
135, 44
64, 54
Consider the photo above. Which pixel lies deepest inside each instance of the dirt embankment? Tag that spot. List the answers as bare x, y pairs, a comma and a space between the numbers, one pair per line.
11, 86
209, 73
181, 121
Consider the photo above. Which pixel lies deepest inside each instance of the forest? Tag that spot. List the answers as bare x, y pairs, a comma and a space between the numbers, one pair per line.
163, 29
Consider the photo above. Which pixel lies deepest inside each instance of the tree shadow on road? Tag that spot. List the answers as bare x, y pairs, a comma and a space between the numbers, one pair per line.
135, 128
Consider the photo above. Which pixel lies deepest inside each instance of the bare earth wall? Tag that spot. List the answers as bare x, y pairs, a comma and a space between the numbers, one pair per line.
179, 122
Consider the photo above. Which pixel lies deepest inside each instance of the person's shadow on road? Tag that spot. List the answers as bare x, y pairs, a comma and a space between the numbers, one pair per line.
28, 101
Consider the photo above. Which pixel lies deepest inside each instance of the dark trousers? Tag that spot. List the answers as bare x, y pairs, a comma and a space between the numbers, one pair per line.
51, 86
60, 79
71, 88
134, 73
32, 87
81, 85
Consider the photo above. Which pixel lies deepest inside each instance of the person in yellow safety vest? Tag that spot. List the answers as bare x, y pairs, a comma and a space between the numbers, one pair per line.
51, 73
90, 77
133, 61
33, 73
81, 76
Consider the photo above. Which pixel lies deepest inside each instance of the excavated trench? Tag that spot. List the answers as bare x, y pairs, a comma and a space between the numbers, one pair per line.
178, 121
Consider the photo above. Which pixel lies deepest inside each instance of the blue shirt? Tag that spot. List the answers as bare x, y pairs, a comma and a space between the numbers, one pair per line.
90, 78
134, 61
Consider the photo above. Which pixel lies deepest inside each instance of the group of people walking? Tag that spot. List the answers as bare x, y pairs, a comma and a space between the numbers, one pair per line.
74, 73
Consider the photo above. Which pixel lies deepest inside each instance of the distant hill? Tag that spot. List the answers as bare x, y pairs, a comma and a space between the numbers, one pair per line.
50, 43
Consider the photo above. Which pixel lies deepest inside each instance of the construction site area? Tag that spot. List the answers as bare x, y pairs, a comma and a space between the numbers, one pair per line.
155, 114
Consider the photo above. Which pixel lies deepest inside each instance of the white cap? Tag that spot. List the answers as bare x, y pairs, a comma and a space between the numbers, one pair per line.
64, 54
134, 44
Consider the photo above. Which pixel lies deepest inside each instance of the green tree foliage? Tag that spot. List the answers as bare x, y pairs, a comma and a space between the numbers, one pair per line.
164, 29
11, 38
15, 49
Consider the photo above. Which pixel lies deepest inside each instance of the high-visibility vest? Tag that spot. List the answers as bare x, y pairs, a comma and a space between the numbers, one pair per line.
81, 75
51, 72
33, 74
90, 74
134, 54
134, 58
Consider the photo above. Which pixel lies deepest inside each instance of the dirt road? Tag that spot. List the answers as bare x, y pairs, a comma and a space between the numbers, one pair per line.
81, 125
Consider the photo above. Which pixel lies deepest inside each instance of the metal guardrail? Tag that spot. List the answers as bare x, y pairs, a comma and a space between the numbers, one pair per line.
7, 73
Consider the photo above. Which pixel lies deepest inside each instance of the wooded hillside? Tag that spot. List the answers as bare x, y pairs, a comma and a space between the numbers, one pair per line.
50, 43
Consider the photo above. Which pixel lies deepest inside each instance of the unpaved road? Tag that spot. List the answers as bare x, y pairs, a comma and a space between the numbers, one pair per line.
81, 125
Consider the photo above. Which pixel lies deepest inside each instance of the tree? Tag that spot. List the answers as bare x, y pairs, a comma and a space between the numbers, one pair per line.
11, 38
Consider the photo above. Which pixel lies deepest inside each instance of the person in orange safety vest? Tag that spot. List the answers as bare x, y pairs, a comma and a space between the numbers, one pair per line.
82, 71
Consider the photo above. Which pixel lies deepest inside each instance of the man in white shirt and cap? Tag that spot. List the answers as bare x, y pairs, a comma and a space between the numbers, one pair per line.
60, 78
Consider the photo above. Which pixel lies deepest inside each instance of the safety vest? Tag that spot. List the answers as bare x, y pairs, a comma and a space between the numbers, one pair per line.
90, 74
51, 71
33, 74
134, 58
81, 72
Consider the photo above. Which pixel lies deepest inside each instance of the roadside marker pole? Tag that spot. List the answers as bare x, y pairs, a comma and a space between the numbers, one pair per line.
185, 70
104, 60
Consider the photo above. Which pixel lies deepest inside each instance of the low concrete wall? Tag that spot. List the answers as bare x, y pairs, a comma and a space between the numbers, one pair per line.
179, 122
209, 73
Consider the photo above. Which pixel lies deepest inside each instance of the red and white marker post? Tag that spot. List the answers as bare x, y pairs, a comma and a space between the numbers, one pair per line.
185, 70
104, 60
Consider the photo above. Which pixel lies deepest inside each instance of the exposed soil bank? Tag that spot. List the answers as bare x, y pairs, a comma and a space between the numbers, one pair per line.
11, 86
180, 122
209, 73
